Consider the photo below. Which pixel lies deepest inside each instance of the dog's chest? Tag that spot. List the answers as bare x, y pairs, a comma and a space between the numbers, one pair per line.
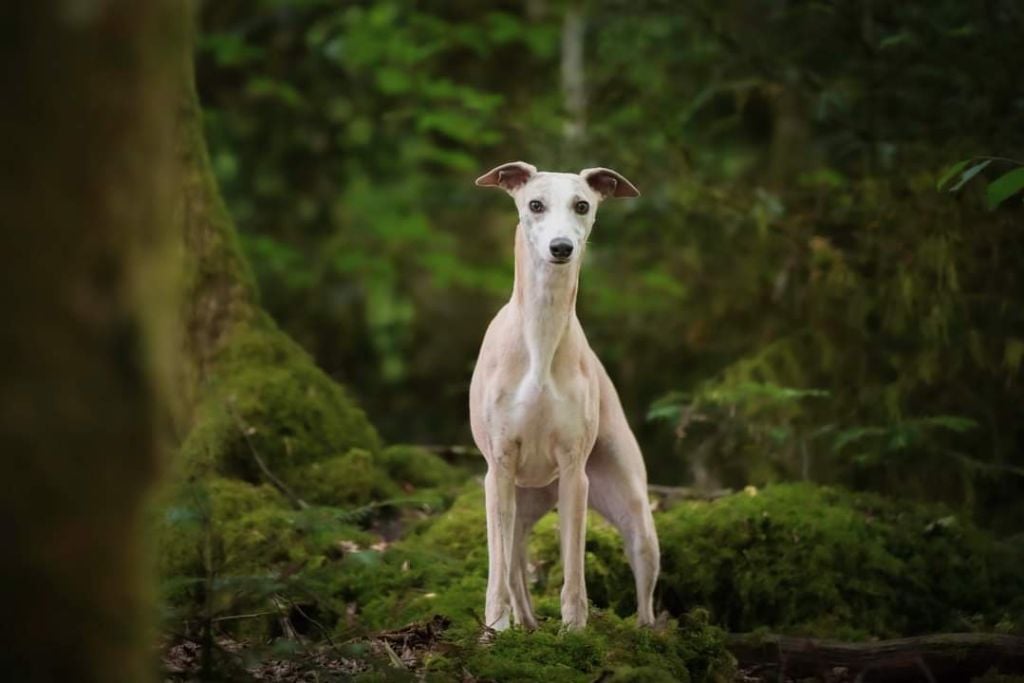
545, 425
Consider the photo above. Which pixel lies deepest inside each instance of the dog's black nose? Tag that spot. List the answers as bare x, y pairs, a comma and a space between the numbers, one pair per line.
561, 248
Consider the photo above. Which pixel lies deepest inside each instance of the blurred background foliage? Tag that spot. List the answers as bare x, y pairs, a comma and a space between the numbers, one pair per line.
793, 297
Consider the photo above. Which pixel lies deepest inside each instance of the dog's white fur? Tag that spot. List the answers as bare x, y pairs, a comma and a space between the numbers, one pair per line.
544, 412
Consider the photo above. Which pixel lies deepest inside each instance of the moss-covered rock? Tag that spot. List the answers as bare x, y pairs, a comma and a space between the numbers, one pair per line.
416, 467
805, 559
354, 478
268, 399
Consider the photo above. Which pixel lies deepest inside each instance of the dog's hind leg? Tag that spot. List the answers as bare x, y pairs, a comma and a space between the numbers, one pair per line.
531, 505
622, 499
618, 491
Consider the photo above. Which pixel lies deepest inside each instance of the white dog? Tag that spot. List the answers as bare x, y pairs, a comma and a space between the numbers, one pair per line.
543, 410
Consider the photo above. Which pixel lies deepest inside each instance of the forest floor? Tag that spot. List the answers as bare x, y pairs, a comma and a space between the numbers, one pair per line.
393, 590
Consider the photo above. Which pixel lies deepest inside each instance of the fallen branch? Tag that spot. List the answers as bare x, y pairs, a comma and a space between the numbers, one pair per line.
451, 452
942, 657
297, 502
686, 492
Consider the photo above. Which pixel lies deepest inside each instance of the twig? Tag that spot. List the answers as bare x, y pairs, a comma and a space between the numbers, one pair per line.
395, 660
323, 629
271, 477
456, 450
232, 617
687, 492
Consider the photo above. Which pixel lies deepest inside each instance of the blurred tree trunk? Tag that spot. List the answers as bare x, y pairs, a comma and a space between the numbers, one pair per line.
790, 144
574, 94
86, 351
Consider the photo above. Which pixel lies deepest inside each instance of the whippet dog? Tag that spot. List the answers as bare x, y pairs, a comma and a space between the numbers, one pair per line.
544, 413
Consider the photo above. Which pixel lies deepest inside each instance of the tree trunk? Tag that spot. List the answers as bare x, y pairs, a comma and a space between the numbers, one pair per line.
86, 351
220, 292
574, 94
234, 354
790, 145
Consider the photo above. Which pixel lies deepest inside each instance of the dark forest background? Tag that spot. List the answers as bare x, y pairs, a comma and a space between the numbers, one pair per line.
793, 297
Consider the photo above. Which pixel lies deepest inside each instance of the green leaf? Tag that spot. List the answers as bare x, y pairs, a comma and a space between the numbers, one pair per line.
970, 173
950, 172
664, 412
855, 434
1004, 187
954, 423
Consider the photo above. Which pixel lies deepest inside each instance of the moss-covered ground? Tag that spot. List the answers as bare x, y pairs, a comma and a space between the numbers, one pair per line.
794, 558
292, 526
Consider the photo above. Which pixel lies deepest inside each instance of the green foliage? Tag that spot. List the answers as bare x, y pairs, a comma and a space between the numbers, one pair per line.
999, 190
440, 569
228, 547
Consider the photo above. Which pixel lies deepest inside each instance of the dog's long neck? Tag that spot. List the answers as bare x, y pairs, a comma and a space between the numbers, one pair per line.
545, 295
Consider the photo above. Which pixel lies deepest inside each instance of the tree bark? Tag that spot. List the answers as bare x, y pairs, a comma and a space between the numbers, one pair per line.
950, 657
220, 290
86, 348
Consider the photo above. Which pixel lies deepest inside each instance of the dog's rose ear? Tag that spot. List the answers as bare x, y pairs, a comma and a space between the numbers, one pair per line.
508, 176
608, 183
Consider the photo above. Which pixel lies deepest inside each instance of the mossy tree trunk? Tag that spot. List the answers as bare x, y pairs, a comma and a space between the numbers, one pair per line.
87, 339
220, 293
256, 405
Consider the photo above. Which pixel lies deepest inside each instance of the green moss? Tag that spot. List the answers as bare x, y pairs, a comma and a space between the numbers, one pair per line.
416, 467
268, 397
610, 646
230, 531
440, 567
200, 510
642, 674
793, 558
354, 478
542, 655
806, 559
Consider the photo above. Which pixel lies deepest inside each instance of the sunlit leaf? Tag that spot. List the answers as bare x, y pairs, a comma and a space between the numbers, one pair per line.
1004, 187
966, 176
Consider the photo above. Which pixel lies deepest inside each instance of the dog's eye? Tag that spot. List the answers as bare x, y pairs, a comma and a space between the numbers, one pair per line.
582, 208
536, 206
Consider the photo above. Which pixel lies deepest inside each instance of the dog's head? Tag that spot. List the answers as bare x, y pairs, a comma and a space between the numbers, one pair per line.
557, 210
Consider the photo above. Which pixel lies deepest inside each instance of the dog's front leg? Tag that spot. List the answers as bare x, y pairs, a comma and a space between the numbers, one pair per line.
573, 487
499, 489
